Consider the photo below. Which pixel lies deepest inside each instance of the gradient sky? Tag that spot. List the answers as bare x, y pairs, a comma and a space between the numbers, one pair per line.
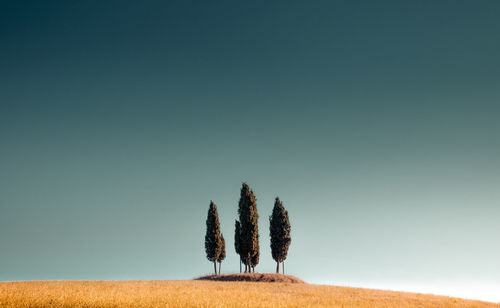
376, 122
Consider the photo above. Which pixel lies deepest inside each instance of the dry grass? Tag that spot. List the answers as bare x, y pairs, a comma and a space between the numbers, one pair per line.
199, 293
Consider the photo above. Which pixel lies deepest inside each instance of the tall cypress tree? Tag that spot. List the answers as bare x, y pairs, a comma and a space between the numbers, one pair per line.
279, 228
222, 255
237, 231
213, 238
249, 239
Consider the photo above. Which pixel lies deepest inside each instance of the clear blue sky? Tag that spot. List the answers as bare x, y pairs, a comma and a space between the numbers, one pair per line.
376, 123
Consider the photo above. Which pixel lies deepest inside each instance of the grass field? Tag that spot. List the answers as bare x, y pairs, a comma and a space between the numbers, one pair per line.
200, 293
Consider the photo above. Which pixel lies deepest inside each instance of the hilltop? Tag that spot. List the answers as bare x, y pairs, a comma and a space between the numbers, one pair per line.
253, 277
203, 293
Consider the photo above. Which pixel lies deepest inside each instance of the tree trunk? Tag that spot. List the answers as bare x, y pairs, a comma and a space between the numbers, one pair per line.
283, 265
240, 266
215, 267
277, 267
219, 267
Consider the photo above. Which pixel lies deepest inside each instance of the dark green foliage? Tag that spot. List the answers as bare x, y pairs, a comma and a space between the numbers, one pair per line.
213, 238
255, 260
237, 231
222, 255
249, 235
279, 227
237, 234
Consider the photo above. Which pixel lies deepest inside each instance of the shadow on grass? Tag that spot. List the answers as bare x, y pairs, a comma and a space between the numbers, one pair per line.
253, 277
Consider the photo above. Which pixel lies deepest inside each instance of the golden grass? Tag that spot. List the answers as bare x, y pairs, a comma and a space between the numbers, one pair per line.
199, 293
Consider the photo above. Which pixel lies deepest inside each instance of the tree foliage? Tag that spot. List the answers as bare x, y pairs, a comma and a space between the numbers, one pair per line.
213, 237
237, 231
279, 229
255, 260
246, 233
237, 241
222, 254
248, 218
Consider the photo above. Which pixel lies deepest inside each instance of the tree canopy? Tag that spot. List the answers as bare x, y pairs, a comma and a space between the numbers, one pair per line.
249, 235
213, 238
279, 229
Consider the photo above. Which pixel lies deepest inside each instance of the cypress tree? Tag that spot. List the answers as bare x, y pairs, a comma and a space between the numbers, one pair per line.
249, 239
213, 238
222, 255
237, 231
279, 228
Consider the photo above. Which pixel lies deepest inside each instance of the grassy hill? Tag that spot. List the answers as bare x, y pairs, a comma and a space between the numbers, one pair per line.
205, 293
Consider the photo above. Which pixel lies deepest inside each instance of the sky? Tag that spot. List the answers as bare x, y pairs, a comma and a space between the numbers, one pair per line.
375, 122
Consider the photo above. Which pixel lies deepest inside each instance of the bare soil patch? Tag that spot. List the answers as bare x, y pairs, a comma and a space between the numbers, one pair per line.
253, 277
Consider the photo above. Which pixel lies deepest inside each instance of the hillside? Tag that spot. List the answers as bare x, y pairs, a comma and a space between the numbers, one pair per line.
200, 293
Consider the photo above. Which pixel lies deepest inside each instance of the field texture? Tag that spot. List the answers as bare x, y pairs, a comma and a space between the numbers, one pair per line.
200, 293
